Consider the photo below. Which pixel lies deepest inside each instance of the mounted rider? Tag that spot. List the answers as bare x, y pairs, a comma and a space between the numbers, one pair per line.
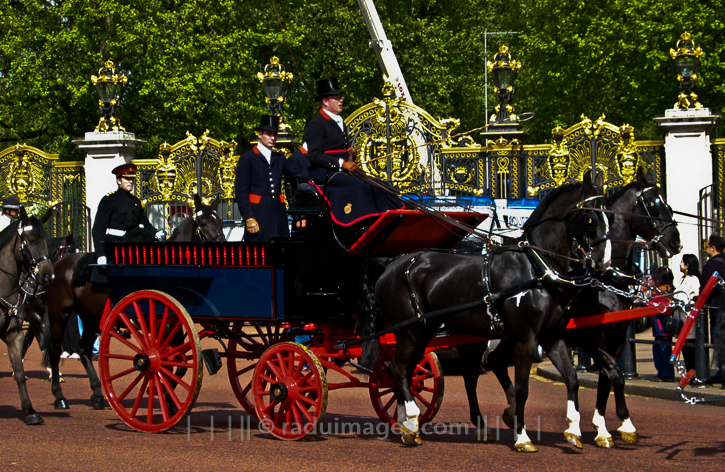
11, 210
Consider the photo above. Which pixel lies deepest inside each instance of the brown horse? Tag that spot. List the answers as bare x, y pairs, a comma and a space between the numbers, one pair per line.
23, 253
89, 299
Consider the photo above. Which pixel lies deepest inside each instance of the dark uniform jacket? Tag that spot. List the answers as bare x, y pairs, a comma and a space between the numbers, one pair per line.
351, 199
118, 213
259, 194
714, 264
298, 164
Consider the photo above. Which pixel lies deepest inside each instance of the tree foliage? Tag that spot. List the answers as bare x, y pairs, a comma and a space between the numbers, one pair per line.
192, 64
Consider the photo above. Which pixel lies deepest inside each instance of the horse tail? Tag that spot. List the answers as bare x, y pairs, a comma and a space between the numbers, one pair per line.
719, 341
369, 310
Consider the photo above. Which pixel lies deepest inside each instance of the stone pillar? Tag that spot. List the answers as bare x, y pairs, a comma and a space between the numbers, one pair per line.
688, 164
104, 151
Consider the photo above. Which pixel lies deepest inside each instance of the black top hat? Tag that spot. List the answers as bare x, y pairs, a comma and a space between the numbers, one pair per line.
268, 123
125, 170
11, 203
327, 87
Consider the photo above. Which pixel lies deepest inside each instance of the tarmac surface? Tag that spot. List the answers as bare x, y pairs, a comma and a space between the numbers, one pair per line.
644, 384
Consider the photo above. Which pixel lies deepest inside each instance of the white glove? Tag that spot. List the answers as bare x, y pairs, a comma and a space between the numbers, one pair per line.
101, 260
161, 236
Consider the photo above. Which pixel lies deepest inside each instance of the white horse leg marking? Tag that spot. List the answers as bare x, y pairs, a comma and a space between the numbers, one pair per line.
601, 426
410, 424
573, 417
627, 426
523, 437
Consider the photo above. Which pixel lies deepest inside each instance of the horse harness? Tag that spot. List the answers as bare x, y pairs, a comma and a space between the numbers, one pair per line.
652, 207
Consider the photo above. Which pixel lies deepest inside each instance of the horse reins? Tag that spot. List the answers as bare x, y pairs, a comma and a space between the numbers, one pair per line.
200, 233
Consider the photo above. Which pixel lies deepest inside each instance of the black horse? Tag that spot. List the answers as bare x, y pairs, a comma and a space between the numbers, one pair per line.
23, 248
71, 291
515, 292
639, 209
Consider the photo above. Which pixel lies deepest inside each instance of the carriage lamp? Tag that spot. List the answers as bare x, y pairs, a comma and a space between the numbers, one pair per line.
504, 70
108, 85
687, 61
274, 83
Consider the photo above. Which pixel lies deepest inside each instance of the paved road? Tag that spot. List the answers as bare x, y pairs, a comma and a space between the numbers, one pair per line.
674, 435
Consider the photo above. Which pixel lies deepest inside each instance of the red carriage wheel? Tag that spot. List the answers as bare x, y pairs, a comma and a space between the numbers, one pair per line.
289, 390
149, 361
427, 388
248, 342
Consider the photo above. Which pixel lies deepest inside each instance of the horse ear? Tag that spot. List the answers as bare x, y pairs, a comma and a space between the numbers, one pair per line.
24, 220
215, 203
197, 202
641, 179
46, 216
587, 187
599, 182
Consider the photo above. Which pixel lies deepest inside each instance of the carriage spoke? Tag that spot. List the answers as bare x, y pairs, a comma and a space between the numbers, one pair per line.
391, 402
170, 337
124, 357
133, 383
171, 392
125, 341
296, 413
123, 373
181, 365
181, 349
140, 396
162, 399
245, 370
176, 379
306, 412
142, 321
150, 407
421, 399
164, 320
132, 329
152, 324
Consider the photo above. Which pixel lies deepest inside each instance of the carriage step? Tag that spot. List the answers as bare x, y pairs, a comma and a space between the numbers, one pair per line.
212, 360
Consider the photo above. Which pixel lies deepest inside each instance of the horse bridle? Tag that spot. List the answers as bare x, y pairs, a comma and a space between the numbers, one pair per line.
202, 238
591, 224
32, 267
654, 204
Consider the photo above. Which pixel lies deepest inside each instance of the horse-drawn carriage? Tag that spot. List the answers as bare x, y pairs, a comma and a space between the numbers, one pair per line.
284, 313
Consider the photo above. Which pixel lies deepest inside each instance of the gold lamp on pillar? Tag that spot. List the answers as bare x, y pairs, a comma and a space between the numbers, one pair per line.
274, 84
108, 85
687, 62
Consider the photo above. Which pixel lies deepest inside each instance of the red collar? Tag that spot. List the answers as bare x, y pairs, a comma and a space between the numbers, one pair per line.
325, 115
256, 150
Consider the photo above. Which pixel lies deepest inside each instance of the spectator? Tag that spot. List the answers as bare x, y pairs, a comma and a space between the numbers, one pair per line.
687, 291
716, 263
663, 281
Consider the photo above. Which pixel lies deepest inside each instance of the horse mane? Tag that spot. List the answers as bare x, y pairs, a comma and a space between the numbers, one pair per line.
537, 215
9, 233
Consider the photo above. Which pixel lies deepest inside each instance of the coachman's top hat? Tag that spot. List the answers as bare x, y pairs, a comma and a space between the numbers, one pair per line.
11, 203
268, 123
327, 87
127, 170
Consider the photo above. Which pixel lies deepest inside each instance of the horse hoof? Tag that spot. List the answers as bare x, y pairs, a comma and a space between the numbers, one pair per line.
97, 403
33, 419
574, 440
629, 438
485, 435
526, 447
508, 419
412, 439
61, 404
605, 442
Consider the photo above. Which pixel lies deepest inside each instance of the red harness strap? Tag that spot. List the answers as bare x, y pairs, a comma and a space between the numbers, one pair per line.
613, 317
